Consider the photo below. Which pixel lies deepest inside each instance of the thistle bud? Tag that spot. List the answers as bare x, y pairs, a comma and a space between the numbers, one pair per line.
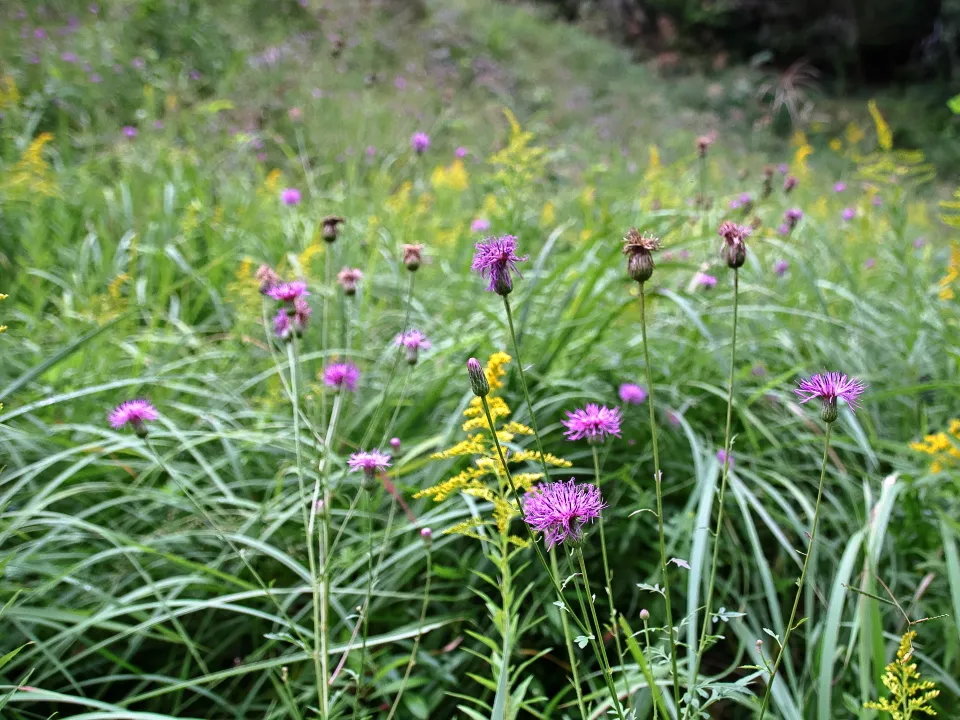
426, 534
329, 229
639, 247
644, 614
828, 411
703, 144
348, 278
412, 257
478, 378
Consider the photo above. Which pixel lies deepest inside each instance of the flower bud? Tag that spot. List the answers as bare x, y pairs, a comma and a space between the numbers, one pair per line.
348, 278
395, 443
789, 184
139, 427
426, 534
703, 144
644, 614
412, 257
734, 251
478, 378
412, 353
329, 229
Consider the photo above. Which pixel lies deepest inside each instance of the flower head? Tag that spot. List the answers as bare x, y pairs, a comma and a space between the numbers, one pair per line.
395, 443
461, 152
632, 394
413, 341
267, 277
288, 291
639, 248
701, 279
343, 376
793, 216
135, 413
494, 260
722, 458
480, 225
328, 230
734, 250
370, 463
849, 214
828, 387
348, 279
790, 183
839, 187
594, 422
478, 378
412, 257
419, 141
560, 510
703, 144
301, 314
282, 326
426, 534
130, 131
290, 196
781, 267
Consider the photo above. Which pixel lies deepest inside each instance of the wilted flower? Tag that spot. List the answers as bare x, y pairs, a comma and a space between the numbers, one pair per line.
480, 225
348, 278
560, 510
290, 196
288, 291
494, 260
781, 267
849, 214
267, 277
329, 227
639, 247
828, 387
594, 423
722, 457
734, 250
632, 394
478, 378
413, 341
370, 463
135, 413
701, 279
130, 131
419, 141
412, 257
343, 376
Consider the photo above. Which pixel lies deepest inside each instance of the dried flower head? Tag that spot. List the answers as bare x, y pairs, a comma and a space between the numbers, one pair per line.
559, 510
632, 394
828, 387
413, 341
288, 291
638, 247
343, 376
494, 260
348, 279
329, 229
134, 413
412, 257
267, 277
478, 378
594, 423
734, 250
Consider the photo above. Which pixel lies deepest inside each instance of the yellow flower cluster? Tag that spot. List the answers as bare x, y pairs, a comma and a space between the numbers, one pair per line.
942, 447
948, 282
31, 176
486, 478
9, 94
909, 695
453, 177
519, 162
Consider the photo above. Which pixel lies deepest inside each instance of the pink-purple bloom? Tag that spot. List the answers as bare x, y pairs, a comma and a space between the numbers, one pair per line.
839, 187
395, 443
560, 510
870, 263
343, 376
781, 267
494, 260
480, 225
369, 463
135, 413
722, 457
288, 291
290, 196
632, 394
282, 325
828, 387
701, 279
419, 141
130, 131
849, 214
461, 152
593, 423
793, 216
413, 341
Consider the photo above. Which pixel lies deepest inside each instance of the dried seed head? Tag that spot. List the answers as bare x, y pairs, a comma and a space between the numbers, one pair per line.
734, 251
412, 257
638, 247
329, 229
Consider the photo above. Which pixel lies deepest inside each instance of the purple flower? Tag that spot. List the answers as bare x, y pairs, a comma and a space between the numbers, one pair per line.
828, 387
419, 141
282, 327
69, 57
288, 291
839, 187
130, 131
877, 201
480, 225
560, 510
343, 376
301, 314
395, 443
40, 34
781, 267
95, 78
919, 243
371, 151
722, 457
135, 413
793, 216
369, 463
849, 214
138, 63
870, 263
594, 422
495, 258
413, 341
783, 168
400, 83
631, 394
158, 124
290, 196
701, 279
783, 229
195, 75
348, 279
461, 152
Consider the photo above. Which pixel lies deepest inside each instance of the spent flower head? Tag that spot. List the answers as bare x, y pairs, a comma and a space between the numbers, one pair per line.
828, 387
348, 279
329, 227
342, 376
734, 250
559, 510
494, 260
593, 423
412, 257
135, 413
639, 248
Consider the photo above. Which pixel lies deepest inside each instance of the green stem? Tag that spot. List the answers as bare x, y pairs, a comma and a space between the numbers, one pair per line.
646, 643
320, 660
658, 481
608, 579
701, 646
366, 603
416, 641
803, 574
324, 321
569, 642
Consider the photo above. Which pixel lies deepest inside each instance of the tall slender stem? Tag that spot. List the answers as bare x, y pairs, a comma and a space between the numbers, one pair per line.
646, 643
320, 660
803, 574
569, 642
708, 610
364, 608
608, 579
659, 489
325, 320
416, 641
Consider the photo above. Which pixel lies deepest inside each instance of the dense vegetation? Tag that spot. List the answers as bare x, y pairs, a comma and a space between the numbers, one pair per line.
165, 165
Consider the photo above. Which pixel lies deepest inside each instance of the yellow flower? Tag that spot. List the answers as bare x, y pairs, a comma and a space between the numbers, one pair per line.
271, 183
653, 164
800, 160
909, 694
836, 145
454, 177
549, 214
32, 176
884, 133
9, 94
854, 133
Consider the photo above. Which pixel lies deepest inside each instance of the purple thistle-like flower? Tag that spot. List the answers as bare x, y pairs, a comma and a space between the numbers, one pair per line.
343, 376
849, 214
560, 510
369, 463
480, 225
781, 267
632, 394
288, 291
419, 141
290, 196
461, 152
839, 187
495, 258
282, 326
135, 413
828, 387
301, 314
594, 422
348, 279
395, 443
793, 216
130, 131
413, 341
722, 457
701, 279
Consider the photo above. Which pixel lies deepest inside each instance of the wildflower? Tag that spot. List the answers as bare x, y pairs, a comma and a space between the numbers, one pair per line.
95, 78
701, 279
69, 57
919, 243
848, 214
631, 394
268, 278
130, 131
722, 458
395, 443
371, 151
594, 422
400, 83
560, 510
370, 463
783, 168
638, 247
793, 216
478, 378
412, 257
703, 144
877, 201
908, 691
870, 263
329, 227
295, 114
343, 376
461, 152
790, 183
839, 187
135, 413
301, 314
781, 267
282, 327
480, 225
828, 387
495, 258
290, 196
137, 63
413, 341
348, 278
644, 614
419, 141
426, 534
783, 229
40, 34
288, 291
734, 251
